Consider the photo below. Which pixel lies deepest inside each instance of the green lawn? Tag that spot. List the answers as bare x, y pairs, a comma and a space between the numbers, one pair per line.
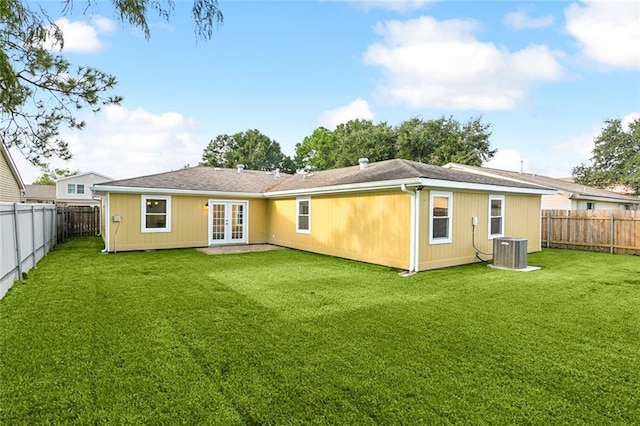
286, 337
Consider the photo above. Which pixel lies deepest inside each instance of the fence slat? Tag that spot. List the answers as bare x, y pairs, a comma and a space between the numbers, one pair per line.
13, 254
592, 230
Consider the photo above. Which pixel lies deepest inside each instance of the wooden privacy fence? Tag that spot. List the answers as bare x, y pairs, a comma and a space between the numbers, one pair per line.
77, 221
613, 231
28, 232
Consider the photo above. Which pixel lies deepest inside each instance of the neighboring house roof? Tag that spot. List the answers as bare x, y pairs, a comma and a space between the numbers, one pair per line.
569, 189
259, 183
106, 178
12, 166
40, 192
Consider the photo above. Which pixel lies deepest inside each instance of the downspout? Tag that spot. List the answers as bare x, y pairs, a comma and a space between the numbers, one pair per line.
412, 246
107, 228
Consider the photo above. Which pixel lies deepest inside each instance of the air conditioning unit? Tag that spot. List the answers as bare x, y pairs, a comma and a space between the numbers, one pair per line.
510, 253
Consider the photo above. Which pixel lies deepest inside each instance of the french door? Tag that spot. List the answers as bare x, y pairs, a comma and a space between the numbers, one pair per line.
227, 222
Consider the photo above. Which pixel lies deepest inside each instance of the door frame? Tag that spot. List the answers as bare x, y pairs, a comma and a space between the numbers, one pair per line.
245, 222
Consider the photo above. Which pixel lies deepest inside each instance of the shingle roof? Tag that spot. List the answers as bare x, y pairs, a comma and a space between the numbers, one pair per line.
576, 189
208, 179
388, 170
40, 192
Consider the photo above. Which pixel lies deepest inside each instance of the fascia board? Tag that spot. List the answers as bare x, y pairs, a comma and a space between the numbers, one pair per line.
352, 187
484, 187
99, 189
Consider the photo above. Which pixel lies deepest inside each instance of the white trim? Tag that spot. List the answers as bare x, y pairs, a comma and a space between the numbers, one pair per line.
298, 200
169, 191
143, 213
449, 197
446, 184
501, 233
352, 187
333, 189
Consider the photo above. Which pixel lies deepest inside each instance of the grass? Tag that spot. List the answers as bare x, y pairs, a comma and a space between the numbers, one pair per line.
286, 337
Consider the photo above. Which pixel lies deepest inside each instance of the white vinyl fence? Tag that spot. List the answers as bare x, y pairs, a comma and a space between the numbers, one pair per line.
27, 233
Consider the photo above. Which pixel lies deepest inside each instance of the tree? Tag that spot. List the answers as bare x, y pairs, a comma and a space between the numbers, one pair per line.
318, 151
363, 139
41, 91
445, 140
616, 157
251, 148
49, 177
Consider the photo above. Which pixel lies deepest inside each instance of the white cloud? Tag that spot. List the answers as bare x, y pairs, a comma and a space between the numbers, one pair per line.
520, 20
608, 32
508, 159
393, 5
440, 64
358, 109
628, 119
123, 143
83, 37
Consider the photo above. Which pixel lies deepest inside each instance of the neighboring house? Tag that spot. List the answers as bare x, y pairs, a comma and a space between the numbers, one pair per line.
569, 196
397, 213
76, 190
40, 194
11, 185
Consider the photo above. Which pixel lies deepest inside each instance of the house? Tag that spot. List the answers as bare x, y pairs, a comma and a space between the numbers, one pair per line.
397, 213
40, 194
76, 190
11, 185
569, 196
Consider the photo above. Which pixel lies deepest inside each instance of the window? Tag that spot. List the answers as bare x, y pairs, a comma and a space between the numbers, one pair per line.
496, 216
591, 206
303, 215
440, 216
71, 188
80, 188
156, 213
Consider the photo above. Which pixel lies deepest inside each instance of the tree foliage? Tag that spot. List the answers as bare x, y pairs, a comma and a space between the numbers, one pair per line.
437, 141
41, 91
251, 148
615, 157
49, 177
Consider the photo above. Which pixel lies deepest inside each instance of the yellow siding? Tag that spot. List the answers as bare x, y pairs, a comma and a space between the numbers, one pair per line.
522, 220
369, 227
189, 222
9, 187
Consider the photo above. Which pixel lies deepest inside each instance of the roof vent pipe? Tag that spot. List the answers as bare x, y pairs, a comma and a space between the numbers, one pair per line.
364, 162
240, 168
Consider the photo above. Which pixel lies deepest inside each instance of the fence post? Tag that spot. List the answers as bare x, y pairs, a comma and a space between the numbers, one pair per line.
33, 235
611, 232
17, 234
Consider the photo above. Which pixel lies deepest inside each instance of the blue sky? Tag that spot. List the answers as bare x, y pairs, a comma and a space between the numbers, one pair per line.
544, 74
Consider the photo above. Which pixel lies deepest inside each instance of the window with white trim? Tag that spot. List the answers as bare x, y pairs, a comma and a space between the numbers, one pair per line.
440, 217
303, 215
156, 213
80, 188
71, 188
496, 216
